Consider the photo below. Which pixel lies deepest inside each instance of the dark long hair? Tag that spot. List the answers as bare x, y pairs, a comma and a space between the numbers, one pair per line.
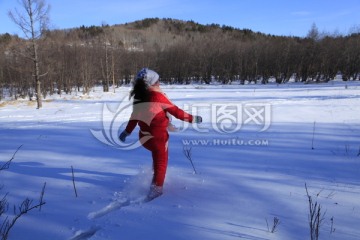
140, 91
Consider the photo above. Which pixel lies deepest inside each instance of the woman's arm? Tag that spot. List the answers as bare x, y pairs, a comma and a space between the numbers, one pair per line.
129, 128
174, 110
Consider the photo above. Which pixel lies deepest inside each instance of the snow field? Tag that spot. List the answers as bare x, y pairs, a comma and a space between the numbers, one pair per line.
239, 186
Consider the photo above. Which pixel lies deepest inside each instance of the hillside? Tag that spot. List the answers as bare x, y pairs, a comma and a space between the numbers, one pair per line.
144, 35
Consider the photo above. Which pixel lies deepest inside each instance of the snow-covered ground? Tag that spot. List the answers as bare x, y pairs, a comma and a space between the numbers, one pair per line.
254, 152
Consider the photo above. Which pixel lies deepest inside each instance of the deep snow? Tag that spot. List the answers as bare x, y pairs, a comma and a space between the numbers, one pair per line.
245, 178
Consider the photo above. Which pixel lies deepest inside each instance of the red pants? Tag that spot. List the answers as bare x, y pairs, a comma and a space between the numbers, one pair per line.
158, 145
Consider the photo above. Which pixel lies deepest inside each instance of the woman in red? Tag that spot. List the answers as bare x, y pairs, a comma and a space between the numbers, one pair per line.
150, 111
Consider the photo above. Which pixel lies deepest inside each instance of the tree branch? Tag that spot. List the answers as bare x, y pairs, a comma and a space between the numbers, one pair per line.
7, 164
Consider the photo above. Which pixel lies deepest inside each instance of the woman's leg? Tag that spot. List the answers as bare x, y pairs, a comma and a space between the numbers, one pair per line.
160, 162
158, 145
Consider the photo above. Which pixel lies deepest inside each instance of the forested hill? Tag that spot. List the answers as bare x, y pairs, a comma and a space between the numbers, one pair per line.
150, 33
181, 51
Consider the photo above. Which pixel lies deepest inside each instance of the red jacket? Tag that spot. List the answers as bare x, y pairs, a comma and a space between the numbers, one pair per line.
152, 115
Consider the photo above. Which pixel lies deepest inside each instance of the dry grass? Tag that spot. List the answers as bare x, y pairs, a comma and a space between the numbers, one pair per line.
7, 103
23, 102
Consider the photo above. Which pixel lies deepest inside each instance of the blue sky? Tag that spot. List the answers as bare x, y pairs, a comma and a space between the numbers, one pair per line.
278, 17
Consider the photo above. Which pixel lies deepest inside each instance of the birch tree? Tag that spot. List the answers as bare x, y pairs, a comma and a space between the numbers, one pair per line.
32, 19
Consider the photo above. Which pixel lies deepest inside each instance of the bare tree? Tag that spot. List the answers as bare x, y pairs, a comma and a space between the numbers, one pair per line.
32, 20
314, 33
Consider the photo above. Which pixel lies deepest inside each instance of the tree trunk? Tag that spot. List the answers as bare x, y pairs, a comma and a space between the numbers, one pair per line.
35, 59
37, 77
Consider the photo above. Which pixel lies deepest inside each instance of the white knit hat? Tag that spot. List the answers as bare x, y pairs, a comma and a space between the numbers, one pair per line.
149, 76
